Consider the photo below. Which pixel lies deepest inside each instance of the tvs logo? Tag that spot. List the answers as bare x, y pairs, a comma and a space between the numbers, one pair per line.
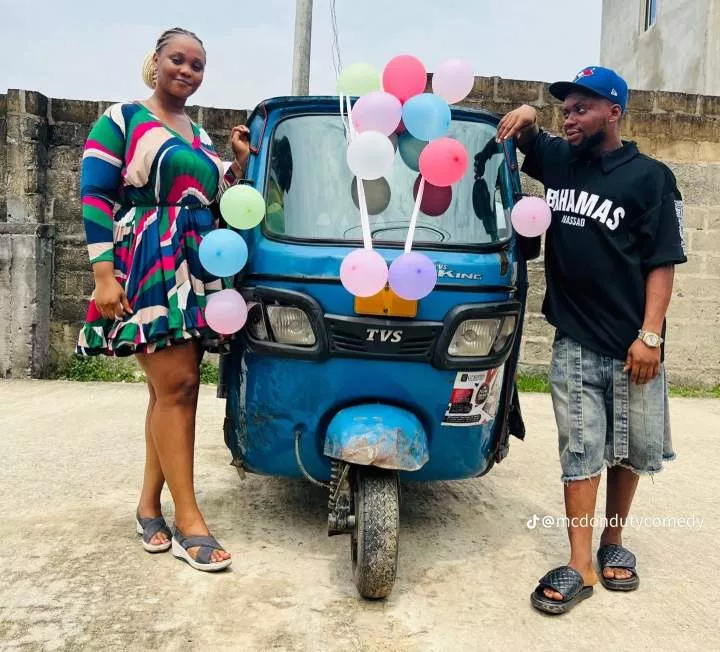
381, 335
588, 72
443, 271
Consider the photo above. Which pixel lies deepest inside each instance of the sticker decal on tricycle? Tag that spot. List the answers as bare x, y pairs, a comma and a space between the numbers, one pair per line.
474, 398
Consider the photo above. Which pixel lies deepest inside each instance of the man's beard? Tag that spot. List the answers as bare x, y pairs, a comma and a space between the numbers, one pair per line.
589, 143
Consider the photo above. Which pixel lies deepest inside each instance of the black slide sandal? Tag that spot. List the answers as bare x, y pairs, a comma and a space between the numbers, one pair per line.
614, 556
567, 582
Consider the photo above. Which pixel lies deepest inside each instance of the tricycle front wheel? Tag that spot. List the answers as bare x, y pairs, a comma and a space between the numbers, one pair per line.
375, 537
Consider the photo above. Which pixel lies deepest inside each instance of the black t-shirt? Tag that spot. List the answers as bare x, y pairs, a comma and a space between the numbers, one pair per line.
614, 219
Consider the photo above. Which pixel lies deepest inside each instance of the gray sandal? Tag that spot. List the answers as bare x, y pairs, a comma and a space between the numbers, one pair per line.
148, 528
206, 544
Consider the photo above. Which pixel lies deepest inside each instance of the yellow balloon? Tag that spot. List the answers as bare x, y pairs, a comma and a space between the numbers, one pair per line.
242, 207
358, 79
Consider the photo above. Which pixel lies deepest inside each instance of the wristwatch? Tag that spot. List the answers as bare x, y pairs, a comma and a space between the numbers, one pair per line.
653, 340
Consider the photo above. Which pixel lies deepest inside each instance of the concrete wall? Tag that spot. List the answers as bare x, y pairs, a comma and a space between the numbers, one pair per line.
40, 150
26, 237
680, 52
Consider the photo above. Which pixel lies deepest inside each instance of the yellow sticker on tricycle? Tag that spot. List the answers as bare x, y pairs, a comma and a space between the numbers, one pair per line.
385, 304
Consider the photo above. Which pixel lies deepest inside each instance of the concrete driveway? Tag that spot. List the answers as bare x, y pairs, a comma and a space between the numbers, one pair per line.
74, 575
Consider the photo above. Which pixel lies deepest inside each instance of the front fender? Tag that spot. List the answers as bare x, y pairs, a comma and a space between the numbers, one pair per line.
378, 435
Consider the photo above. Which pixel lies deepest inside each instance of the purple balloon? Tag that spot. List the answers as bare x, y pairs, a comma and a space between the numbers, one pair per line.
226, 311
412, 276
364, 272
377, 111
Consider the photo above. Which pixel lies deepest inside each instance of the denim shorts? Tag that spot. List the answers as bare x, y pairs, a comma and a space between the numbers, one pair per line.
604, 419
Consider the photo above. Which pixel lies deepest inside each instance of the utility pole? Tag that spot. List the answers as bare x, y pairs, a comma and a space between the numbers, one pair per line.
301, 53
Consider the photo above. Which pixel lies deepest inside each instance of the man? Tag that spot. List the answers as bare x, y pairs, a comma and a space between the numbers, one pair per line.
610, 252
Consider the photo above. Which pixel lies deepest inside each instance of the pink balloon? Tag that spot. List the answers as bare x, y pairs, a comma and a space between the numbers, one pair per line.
364, 272
531, 216
444, 161
377, 111
453, 80
405, 76
226, 312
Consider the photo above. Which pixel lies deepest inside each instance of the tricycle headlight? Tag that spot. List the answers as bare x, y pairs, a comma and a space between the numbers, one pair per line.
256, 323
474, 337
291, 326
506, 331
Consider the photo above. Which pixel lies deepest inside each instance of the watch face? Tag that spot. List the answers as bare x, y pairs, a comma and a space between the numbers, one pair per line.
651, 339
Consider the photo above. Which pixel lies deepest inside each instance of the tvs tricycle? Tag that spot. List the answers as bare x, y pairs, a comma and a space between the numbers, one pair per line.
357, 394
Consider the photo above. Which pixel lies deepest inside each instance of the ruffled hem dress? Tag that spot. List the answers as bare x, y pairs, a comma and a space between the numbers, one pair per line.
146, 196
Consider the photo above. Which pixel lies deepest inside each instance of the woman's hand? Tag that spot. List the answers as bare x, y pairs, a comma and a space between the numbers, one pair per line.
240, 143
110, 298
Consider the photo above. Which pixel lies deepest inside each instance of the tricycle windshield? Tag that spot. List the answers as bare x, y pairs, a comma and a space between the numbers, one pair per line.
311, 193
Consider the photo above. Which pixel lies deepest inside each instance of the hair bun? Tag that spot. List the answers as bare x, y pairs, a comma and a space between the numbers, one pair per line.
149, 71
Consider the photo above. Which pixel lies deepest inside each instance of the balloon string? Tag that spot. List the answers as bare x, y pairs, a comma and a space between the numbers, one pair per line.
342, 116
413, 219
364, 217
351, 126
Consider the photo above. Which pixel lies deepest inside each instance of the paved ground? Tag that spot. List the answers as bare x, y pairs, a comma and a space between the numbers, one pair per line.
75, 577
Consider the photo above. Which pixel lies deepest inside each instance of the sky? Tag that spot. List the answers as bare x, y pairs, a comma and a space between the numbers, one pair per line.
94, 50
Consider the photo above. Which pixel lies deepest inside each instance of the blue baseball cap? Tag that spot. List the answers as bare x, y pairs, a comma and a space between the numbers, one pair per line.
599, 81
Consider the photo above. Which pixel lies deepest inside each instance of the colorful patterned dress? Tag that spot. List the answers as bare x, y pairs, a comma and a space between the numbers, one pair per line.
146, 195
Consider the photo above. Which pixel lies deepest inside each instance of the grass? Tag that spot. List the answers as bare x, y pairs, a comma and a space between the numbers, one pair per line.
695, 392
109, 370
101, 369
533, 384
540, 384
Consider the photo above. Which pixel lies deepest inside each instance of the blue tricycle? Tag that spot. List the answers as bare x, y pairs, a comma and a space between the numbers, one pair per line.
355, 394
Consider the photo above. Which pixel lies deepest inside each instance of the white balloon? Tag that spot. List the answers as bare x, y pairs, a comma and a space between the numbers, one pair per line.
453, 80
370, 155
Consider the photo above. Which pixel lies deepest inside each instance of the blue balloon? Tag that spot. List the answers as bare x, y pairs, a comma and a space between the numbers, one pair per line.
426, 116
223, 253
410, 149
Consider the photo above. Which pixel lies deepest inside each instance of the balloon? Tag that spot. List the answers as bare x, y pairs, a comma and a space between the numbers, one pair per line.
426, 116
226, 312
377, 111
358, 79
394, 140
404, 77
453, 80
400, 128
364, 272
242, 207
412, 276
223, 252
435, 200
377, 195
531, 216
444, 162
370, 155
410, 149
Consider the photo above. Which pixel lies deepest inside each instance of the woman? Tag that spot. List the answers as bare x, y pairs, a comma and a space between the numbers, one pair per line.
149, 175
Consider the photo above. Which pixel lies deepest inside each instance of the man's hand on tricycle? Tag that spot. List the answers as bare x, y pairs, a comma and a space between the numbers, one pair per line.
516, 123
